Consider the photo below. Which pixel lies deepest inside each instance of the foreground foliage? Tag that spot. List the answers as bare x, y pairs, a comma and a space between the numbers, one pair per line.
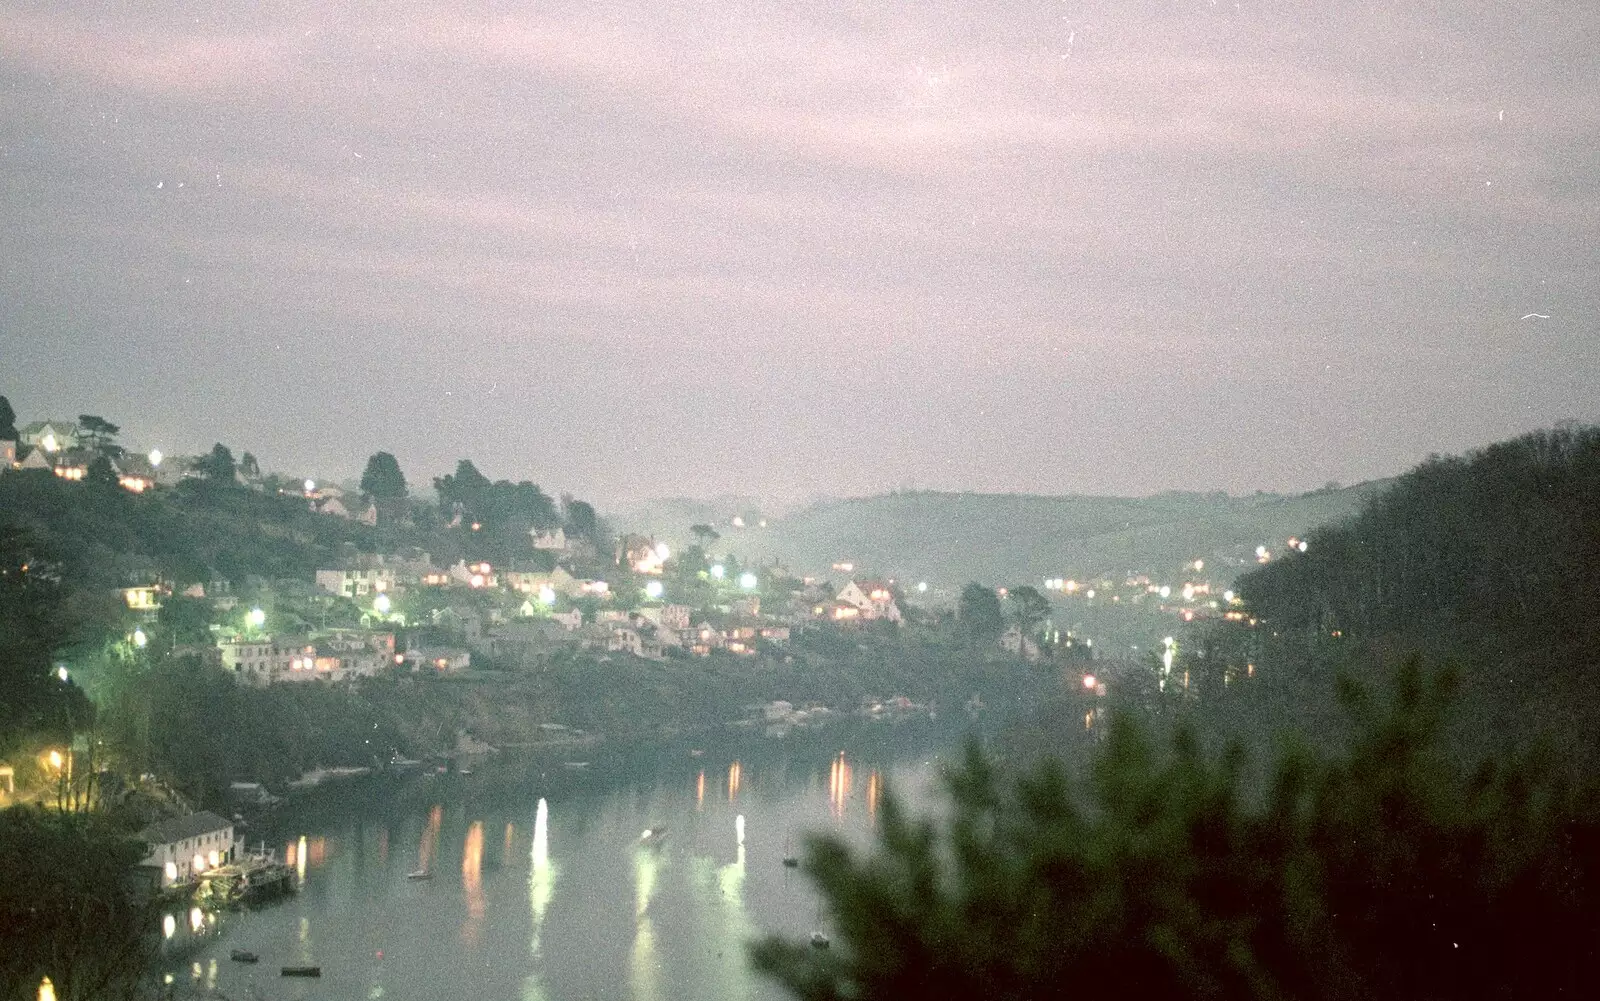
1384, 872
68, 909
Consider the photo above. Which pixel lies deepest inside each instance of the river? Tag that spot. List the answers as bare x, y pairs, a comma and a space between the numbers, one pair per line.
541, 886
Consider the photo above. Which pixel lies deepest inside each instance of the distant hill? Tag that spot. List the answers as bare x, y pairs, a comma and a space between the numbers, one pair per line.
948, 539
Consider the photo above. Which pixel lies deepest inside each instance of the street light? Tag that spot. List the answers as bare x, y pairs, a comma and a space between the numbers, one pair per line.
257, 618
382, 604
139, 640
653, 589
748, 581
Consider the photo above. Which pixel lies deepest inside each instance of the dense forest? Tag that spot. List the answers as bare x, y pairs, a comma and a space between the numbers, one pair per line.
1500, 542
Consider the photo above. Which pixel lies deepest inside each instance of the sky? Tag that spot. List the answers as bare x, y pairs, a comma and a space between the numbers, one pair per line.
797, 249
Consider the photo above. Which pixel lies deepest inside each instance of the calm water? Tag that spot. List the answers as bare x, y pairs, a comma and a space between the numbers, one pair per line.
542, 888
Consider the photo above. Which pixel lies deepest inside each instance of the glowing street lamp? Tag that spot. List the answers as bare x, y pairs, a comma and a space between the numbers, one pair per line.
748, 581
718, 571
311, 486
922, 587
653, 589
55, 759
155, 457
381, 604
139, 640
257, 618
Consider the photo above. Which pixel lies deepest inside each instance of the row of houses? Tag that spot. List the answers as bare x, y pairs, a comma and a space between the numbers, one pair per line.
332, 655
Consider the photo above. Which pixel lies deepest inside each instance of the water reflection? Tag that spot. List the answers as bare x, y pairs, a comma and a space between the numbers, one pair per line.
541, 887
430, 839
472, 883
699, 893
644, 966
300, 860
839, 785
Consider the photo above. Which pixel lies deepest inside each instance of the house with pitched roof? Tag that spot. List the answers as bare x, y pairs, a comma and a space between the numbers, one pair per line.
49, 436
182, 848
874, 598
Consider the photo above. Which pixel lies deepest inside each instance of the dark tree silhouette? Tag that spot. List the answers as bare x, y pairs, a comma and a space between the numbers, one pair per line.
979, 612
382, 479
1386, 872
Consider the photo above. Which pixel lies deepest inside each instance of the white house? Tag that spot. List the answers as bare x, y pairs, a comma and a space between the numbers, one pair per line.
184, 847
357, 582
875, 599
49, 436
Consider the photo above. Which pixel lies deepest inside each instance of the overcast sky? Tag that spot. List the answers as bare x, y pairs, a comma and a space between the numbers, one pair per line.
635, 249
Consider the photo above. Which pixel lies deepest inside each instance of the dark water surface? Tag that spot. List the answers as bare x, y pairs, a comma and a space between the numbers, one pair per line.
542, 888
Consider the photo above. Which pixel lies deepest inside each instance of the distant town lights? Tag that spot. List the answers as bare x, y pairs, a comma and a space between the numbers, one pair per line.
747, 580
155, 457
61, 671
311, 486
718, 571
662, 552
547, 594
381, 604
139, 640
653, 589
922, 587
1089, 681
257, 618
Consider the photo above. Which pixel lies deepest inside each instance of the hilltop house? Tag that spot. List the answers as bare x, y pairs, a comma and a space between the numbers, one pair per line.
49, 436
874, 599
183, 847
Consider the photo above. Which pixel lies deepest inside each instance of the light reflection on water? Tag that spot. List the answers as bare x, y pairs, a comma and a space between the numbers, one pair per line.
596, 912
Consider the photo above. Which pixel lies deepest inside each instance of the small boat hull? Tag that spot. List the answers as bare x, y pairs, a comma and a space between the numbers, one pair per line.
301, 971
242, 956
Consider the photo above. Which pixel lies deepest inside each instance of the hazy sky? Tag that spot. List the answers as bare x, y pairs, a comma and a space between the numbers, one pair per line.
633, 249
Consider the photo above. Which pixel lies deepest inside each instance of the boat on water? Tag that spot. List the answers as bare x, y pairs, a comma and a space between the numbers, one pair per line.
790, 862
575, 764
652, 835
419, 874
301, 971
819, 940
243, 956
